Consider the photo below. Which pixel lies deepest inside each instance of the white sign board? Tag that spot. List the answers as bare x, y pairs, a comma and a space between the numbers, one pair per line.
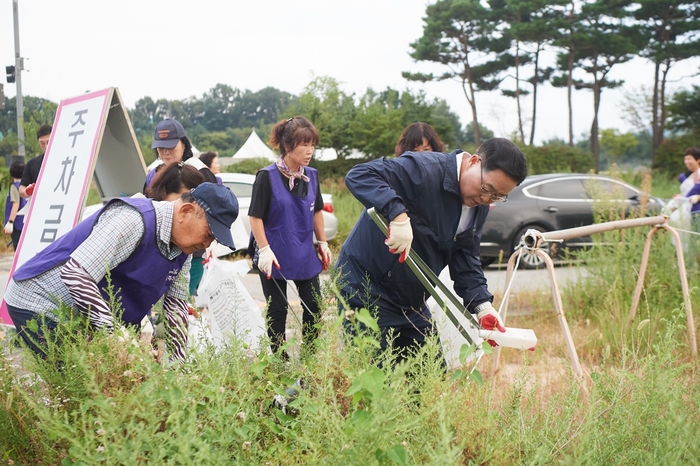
65, 174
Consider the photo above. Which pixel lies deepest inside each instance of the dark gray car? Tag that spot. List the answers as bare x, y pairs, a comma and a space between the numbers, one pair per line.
548, 203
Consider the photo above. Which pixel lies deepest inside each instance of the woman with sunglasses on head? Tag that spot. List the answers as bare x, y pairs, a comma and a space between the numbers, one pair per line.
285, 212
173, 180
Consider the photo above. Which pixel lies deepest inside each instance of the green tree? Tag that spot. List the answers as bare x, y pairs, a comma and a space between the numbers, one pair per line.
378, 123
147, 113
671, 29
218, 108
469, 133
448, 126
615, 144
330, 110
382, 116
226, 143
684, 111
263, 107
535, 24
464, 36
37, 112
607, 39
516, 13
569, 39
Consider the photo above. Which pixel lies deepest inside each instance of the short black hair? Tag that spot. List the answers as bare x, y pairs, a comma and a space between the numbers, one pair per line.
16, 169
43, 131
502, 154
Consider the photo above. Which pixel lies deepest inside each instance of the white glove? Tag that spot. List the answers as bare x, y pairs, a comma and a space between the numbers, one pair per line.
490, 320
266, 258
325, 253
399, 238
9, 228
147, 331
694, 198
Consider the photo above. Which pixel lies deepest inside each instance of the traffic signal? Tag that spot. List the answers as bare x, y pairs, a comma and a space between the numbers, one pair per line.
10, 71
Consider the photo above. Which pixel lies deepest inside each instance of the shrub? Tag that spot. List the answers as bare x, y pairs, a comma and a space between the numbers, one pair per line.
335, 168
557, 159
668, 158
250, 166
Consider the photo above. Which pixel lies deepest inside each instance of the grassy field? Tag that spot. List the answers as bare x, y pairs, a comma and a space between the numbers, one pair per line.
110, 402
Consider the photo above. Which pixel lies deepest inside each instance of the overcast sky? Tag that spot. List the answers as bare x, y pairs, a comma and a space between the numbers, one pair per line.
174, 49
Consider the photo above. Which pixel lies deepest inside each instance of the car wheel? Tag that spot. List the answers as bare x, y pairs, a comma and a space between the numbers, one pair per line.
530, 260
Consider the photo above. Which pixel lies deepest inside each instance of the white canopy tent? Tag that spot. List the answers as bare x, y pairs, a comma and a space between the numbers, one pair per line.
254, 148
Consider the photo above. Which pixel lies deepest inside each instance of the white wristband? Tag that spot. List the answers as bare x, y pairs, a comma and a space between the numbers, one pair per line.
482, 307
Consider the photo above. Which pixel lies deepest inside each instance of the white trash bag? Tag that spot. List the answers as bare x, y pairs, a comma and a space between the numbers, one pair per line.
232, 310
450, 338
679, 211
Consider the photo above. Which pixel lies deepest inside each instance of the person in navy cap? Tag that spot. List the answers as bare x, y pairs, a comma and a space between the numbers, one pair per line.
144, 247
171, 145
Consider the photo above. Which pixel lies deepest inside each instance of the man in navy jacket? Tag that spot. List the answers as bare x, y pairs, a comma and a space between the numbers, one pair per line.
437, 205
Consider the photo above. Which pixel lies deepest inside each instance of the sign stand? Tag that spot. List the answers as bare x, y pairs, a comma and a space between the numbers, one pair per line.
92, 138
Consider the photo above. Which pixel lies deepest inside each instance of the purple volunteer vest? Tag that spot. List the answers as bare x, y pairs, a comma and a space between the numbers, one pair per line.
139, 281
19, 220
290, 227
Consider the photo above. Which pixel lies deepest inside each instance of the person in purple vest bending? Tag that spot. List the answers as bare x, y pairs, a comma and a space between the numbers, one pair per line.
142, 246
285, 212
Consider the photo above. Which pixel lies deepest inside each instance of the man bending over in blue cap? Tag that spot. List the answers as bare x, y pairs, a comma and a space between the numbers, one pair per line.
145, 248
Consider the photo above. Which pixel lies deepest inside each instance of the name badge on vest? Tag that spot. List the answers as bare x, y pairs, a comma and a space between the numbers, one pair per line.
172, 275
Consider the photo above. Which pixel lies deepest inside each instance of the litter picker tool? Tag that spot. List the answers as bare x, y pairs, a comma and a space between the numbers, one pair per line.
512, 338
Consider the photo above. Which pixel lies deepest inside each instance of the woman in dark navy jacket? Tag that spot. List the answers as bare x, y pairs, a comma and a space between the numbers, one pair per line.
285, 212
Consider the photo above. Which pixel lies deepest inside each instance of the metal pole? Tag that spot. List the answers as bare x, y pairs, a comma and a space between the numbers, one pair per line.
602, 227
19, 62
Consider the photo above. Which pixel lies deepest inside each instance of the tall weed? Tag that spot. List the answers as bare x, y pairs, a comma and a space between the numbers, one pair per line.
111, 403
604, 298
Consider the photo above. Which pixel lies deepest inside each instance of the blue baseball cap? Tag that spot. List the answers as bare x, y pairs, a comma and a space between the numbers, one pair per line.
221, 207
168, 133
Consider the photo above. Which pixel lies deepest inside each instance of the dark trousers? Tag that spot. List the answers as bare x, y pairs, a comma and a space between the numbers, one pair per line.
276, 295
15, 237
35, 341
402, 338
407, 339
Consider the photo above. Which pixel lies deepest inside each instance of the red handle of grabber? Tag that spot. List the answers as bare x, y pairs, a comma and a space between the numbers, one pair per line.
518, 338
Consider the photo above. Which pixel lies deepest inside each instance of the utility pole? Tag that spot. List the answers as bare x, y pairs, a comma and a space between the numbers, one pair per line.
19, 66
